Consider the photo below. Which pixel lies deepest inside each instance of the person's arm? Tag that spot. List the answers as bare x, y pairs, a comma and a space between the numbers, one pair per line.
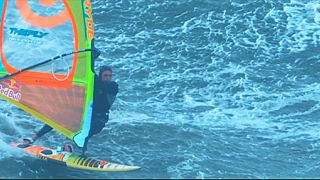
96, 53
112, 89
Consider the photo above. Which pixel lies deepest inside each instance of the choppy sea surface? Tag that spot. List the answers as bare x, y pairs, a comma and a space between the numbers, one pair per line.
208, 89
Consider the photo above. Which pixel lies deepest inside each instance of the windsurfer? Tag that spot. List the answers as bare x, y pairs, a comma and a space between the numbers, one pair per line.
105, 92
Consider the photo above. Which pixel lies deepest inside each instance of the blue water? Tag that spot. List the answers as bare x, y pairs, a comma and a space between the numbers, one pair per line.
208, 89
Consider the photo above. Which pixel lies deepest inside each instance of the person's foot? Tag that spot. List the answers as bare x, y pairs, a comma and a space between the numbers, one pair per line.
68, 148
27, 141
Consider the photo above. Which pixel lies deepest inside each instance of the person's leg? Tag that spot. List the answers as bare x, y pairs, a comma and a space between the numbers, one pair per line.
96, 127
44, 130
84, 149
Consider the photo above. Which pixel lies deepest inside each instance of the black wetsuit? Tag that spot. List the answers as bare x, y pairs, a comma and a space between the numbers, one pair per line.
104, 95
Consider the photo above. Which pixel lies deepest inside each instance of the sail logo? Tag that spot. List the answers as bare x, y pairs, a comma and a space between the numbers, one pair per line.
89, 19
11, 83
11, 89
27, 33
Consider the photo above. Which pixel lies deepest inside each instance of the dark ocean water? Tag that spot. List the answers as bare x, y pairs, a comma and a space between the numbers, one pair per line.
208, 89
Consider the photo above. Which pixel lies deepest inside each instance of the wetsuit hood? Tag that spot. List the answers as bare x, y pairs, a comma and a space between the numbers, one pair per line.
102, 69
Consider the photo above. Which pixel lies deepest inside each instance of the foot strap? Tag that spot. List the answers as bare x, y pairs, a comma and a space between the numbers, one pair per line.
30, 140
